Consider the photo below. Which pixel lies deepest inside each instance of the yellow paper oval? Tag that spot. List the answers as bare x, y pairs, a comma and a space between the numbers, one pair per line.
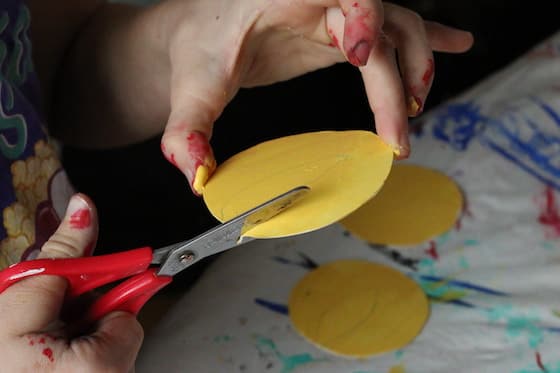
344, 169
415, 205
356, 308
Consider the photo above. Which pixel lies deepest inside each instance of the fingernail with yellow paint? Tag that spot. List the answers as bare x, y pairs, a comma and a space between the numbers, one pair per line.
415, 106
201, 159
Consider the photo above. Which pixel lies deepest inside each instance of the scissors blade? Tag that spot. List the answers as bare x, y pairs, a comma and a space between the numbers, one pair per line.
175, 258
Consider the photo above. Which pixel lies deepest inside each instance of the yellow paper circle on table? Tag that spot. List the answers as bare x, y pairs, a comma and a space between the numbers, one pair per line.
415, 205
344, 169
357, 308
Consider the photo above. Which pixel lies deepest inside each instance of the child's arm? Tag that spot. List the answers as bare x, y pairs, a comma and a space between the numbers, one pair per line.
134, 71
33, 338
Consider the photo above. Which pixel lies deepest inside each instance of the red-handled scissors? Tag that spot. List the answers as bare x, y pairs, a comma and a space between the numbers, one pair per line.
143, 281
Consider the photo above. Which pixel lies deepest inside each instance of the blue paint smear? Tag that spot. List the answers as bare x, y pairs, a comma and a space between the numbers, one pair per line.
289, 362
276, 307
305, 262
517, 138
463, 284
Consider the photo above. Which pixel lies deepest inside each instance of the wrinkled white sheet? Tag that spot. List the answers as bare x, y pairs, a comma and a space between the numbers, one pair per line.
499, 309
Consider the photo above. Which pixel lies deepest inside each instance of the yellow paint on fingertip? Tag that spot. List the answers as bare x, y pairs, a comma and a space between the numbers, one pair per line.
200, 179
357, 308
413, 107
343, 169
398, 150
416, 204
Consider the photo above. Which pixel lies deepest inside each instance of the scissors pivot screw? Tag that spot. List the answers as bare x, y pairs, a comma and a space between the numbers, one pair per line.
187, 257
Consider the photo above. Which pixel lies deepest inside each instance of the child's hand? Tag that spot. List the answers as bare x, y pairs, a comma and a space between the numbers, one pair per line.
32, 337
179, 63
254, 43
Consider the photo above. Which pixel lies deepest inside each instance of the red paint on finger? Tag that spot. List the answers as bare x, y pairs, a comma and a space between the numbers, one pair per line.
429, 73
358, 37
203, 163
359, 54
198, 148
355, 5
49, 354
168, 156
334, 39
42, 340
80, 219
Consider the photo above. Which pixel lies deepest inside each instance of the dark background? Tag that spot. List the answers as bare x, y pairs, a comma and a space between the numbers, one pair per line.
143, 200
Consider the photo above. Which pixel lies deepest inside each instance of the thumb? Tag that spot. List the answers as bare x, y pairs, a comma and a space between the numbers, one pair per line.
33, 304
198, 97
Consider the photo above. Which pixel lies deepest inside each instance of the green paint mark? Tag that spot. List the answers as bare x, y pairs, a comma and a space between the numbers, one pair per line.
443, 238
547, 245
556, 313
471, 242
223, 338
518, 324
442, 291
289, 362
426, 266
399, 354
463, 263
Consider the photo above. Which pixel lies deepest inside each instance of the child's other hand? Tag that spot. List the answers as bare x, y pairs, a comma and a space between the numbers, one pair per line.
134, 71
32, 337
236, 44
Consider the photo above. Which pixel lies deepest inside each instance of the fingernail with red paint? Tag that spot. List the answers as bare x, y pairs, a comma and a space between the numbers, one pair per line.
202, 163
415, 106
78, 213
359, 54
428, 73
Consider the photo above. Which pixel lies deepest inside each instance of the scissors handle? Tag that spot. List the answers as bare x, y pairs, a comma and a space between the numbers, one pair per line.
129, 296
85, 274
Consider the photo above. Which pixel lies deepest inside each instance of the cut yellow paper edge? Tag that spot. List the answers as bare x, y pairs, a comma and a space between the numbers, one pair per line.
356, 308
344, 169
415, 205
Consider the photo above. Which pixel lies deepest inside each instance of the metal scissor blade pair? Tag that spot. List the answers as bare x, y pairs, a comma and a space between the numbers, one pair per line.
175, 258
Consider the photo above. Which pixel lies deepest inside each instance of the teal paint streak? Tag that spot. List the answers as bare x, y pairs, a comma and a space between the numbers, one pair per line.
426, 266
442, 239
222, 338
399, 354
518, 325
463, 263
289, 362
547, 245
471, 242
